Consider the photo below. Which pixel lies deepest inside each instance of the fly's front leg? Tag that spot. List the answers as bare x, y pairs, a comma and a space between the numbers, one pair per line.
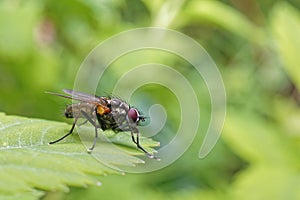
137, 142
69, 133
121, 128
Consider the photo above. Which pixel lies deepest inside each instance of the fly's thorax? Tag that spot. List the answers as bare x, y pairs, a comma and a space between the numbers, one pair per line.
119, 110
116, 118
118, 106
124, 114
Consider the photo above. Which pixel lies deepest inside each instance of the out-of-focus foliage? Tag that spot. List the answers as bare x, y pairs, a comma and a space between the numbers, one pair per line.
286, 29
255, 45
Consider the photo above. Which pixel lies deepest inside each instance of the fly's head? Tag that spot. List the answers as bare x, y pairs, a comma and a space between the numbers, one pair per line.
134, 117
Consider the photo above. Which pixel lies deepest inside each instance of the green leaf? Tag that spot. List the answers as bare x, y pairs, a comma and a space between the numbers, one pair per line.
285, 25
275, 183
223, 16
29, 166
257, 140
16, 38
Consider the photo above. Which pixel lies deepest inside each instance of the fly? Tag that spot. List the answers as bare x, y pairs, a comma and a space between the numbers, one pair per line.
105, 113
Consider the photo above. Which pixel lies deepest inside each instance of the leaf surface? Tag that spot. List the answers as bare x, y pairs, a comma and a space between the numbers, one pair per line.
29, 166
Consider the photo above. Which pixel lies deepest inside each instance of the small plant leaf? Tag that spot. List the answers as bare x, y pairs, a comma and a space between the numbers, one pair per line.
285, 32
29, 166
222, 15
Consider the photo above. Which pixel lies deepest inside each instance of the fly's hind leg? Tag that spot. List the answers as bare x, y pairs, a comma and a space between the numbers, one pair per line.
69, 133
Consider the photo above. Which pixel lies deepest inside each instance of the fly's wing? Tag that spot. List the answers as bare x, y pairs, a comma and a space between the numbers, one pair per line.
83, 96
62, 95
100, 102
80, 96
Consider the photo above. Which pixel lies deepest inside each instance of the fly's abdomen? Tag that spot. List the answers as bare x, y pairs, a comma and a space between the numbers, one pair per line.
77, 110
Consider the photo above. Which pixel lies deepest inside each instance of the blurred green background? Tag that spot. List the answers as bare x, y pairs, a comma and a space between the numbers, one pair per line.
255, 44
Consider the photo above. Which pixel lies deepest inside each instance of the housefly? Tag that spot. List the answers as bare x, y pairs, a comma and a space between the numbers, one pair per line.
103, 112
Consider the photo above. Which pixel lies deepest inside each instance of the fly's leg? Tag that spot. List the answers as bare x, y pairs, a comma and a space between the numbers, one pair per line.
82, 123
124, 127
69, 133
133, 139
93, 122
137, 142
89, 119
95, 140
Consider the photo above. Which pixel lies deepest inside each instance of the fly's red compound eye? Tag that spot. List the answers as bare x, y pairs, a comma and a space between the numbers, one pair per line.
133, 115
